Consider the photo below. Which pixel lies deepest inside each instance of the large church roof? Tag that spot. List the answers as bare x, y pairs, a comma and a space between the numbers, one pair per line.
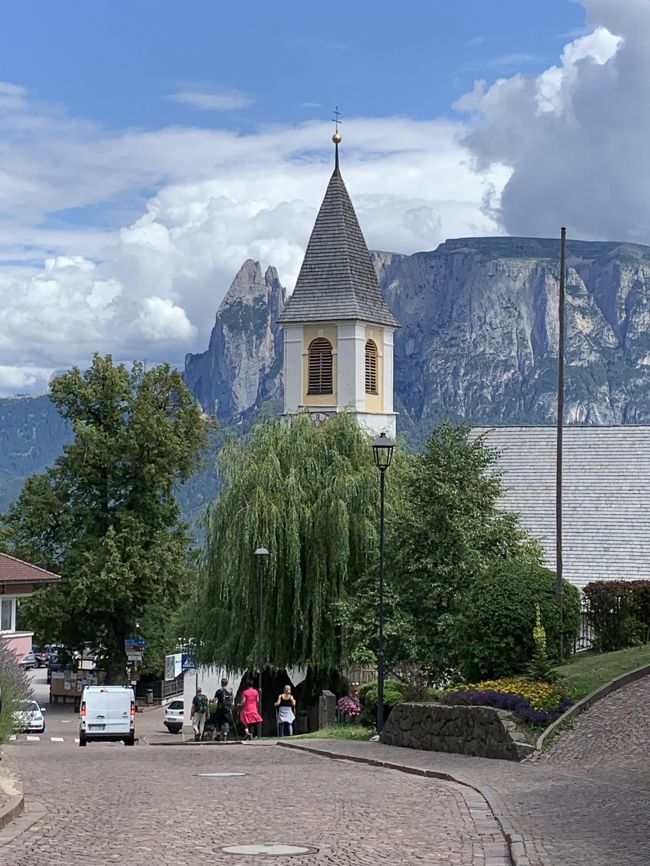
606, 495
337, 280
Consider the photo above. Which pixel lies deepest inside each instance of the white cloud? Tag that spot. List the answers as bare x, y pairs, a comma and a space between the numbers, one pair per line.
150, 287
574, 137
217, 99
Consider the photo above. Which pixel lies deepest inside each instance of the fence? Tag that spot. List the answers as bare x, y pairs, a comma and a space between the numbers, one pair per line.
360, 675
161, 688
586, 636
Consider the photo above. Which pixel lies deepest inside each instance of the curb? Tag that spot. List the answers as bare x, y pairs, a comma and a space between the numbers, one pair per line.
12, 810
16, 802
592, 698
514, 843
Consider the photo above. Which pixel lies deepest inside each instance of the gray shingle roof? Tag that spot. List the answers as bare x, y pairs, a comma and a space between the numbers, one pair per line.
605, 498
337, 280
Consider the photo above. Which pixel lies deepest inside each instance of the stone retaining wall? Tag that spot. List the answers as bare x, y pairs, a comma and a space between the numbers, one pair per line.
481, 731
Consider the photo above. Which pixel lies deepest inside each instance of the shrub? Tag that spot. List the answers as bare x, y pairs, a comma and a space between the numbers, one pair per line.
538, 703
619, 612
494, 631
393, 694
15, 688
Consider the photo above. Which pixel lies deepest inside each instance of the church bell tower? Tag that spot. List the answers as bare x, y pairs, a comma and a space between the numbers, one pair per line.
338, 330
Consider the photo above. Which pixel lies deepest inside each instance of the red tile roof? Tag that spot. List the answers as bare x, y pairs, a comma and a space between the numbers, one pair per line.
14, 571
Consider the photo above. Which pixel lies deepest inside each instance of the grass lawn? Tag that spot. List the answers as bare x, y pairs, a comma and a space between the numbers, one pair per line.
338, 732
586, 671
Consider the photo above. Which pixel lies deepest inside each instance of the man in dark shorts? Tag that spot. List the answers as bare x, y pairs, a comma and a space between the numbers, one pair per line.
225, 700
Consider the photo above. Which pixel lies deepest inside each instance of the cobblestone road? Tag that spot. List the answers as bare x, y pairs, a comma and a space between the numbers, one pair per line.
108, 803
587, 801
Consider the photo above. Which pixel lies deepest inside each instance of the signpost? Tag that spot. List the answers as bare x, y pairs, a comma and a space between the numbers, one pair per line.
134, 648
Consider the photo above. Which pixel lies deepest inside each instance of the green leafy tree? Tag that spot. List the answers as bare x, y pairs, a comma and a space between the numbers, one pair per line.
309, 495
444, 532
105, 516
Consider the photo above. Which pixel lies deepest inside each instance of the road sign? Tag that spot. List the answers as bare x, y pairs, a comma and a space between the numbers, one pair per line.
134, 648
189, 663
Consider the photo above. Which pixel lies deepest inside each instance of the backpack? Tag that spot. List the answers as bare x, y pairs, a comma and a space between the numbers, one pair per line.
225, 697
200, 704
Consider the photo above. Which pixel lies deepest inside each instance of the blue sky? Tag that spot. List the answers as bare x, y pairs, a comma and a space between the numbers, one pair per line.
147, 149
115, 62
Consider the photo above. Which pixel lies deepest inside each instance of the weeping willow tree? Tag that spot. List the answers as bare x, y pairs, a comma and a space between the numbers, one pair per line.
309, 495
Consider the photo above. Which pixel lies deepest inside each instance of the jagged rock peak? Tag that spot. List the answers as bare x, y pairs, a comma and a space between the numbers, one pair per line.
249, 282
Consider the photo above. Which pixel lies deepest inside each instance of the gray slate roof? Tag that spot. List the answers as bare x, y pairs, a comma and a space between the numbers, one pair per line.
606, 496
337, 280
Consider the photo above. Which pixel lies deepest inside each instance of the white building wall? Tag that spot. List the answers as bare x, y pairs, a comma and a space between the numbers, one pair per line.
293, 351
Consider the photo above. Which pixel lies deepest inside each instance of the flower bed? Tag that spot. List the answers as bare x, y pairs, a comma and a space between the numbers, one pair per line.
535, 702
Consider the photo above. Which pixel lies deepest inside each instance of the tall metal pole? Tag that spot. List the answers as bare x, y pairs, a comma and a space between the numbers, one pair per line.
260, 589
380, 653
559, 590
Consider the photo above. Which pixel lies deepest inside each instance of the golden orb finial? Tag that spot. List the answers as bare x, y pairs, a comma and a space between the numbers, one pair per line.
336, 138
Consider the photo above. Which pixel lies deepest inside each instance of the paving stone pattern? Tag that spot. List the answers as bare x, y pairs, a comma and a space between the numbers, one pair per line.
585, 802
109, 803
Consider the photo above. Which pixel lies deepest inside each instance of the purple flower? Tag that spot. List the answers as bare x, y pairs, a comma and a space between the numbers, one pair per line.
504, 701
349, 706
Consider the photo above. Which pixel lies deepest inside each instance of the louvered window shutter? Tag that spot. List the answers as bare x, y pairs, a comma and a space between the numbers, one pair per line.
320, 367
371, 367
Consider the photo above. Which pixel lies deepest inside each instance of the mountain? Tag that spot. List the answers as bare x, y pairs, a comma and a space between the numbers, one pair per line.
241, 367
32, 435
478, 340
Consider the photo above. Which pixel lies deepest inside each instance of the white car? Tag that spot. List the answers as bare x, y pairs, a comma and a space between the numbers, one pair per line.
29, 717
173, 720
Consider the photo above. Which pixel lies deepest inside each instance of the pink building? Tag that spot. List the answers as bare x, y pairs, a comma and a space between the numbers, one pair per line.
18, 580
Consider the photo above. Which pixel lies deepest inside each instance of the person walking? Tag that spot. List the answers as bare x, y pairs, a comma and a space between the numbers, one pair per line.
249, 712
225, 700
286, 704
199, 712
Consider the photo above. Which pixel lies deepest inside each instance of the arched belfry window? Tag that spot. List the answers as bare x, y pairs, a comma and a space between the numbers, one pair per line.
371, 367
320, 367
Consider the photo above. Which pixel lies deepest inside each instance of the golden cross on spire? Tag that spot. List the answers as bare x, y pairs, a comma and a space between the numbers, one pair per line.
336, 138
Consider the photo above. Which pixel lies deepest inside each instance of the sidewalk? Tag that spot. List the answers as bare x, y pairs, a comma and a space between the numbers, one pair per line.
551, 816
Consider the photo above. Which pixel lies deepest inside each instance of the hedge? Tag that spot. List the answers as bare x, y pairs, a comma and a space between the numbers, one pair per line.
494, 633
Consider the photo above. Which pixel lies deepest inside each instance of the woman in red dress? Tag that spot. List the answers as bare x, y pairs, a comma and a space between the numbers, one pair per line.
249, 712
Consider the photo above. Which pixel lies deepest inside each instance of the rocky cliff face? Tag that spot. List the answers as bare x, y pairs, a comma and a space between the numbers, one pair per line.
242, 365
479, 336
478, 340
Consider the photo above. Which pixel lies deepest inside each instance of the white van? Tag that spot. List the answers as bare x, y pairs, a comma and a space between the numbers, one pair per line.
107, 713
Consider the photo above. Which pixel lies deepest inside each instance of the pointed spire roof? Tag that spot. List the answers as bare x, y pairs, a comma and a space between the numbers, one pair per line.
337, 280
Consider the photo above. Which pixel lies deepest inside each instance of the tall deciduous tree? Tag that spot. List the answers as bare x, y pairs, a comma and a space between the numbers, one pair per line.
445, 531
104, 516
309, 495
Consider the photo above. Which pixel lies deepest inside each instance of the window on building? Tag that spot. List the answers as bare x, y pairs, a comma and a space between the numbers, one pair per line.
371, 367
6, 614
320, 367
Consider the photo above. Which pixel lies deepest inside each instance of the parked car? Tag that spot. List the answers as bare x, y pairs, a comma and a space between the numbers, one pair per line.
53, 664
28, 661
173, 720
30, 717
41, 655
107, 713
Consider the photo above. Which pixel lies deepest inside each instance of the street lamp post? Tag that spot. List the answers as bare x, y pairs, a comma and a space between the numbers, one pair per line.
382, 449
260, 555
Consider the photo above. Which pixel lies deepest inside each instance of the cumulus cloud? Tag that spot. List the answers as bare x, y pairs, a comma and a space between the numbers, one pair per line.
574, 137
148, 286
214, 99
